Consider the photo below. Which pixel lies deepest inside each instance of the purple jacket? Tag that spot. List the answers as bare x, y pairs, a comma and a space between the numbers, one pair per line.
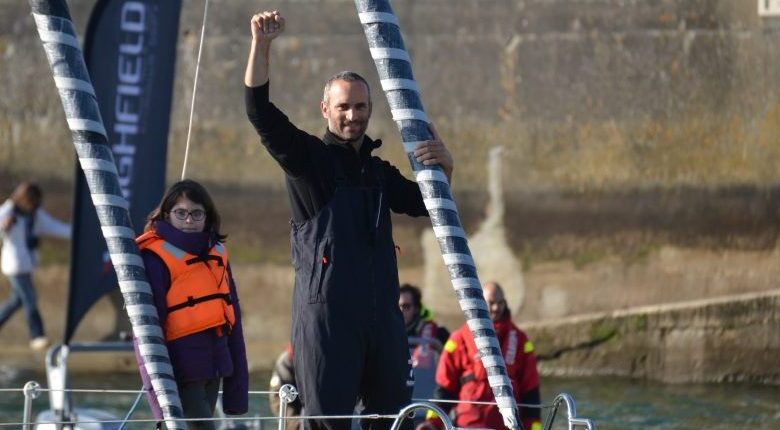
203, 355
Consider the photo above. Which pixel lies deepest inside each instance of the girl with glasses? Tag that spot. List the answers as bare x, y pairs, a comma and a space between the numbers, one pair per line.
195, 295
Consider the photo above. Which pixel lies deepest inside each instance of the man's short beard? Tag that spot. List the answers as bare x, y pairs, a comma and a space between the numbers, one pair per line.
358, 139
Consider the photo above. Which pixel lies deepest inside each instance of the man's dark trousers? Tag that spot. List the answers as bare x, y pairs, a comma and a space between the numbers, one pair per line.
348, 335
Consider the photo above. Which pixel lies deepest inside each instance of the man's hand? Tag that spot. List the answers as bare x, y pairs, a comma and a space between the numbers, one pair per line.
266, 26
433, 152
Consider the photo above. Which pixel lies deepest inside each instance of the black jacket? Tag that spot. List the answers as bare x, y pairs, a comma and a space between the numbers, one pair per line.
311, 182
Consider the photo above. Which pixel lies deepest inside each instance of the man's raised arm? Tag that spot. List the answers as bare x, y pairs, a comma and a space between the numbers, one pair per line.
266, 26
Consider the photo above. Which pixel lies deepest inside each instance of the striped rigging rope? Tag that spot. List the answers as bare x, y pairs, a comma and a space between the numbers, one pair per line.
63, 51
395, 72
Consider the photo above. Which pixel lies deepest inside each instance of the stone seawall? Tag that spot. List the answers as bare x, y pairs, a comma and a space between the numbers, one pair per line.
585, 95
727, 339
628, 126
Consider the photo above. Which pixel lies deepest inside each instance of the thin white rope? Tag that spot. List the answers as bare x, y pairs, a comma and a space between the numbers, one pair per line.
217, 419
263, 392
154, 420
106, 391
194, 90
475, 402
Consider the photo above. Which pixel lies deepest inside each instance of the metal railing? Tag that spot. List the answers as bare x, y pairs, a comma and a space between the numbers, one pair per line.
288, 394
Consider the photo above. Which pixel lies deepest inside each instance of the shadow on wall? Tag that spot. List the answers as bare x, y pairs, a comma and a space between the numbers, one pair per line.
492, 254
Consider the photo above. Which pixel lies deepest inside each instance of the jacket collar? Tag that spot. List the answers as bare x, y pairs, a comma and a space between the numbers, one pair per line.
193, 243
365, 149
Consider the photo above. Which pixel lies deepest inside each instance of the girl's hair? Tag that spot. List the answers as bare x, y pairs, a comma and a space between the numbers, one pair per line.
195, 192
27, 191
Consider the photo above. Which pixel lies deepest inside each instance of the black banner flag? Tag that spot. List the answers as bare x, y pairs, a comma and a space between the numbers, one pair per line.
130, 51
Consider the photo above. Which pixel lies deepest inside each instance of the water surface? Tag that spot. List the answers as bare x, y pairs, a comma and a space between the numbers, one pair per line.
613, 403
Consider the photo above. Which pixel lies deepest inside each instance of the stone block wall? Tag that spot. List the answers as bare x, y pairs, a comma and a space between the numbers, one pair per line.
730, 339
602, 94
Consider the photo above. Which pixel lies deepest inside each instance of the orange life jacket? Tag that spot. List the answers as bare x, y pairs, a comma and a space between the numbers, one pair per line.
199, 295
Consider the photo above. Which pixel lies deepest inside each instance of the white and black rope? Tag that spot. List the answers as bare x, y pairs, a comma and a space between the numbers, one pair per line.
395, 73
66, 59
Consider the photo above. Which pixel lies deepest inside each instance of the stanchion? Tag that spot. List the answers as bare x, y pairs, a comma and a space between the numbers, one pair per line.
32, 390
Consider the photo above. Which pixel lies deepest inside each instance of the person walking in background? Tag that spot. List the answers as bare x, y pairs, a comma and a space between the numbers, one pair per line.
460, 374
22, 222
348, 334
195, 295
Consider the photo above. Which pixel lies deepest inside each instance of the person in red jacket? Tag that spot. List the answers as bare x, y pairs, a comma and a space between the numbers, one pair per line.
460, 374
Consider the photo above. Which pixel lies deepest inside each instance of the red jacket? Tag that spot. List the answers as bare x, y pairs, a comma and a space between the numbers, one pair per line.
460, 372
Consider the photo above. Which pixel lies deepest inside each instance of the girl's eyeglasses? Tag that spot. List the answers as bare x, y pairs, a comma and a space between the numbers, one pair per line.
182, 214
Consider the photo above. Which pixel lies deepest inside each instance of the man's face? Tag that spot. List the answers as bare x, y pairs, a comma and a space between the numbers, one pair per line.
408, 308
496, 302
347, 109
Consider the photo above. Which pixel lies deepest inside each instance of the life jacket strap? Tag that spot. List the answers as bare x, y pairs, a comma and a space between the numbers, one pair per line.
205, 259
191, 301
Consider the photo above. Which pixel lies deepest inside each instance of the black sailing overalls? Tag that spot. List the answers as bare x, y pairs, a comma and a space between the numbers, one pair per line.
348, 333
